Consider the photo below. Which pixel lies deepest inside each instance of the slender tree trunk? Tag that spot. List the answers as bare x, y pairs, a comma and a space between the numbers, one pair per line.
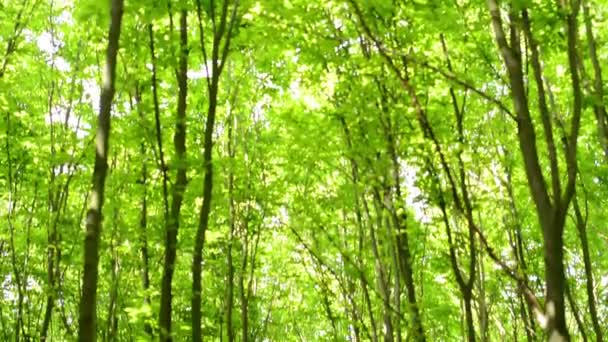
581, 227
87, 329
598, 105
249, 289
354, 167
12, 200
327, 300
483, 314
551, 212
400, 229
50, 300
381, 275
243, 290
55, 205
233, 218
172, 225
143, 220
351, 306
465, 286
393, 311
112, 328
159, 133
517, 245
230, 293
576, 313
203, 216
222, 32
527, 321
244, 307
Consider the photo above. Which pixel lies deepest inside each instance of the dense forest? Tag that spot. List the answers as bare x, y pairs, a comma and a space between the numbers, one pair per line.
293, 170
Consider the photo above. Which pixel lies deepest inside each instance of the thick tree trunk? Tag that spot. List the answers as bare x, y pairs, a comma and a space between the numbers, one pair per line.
468, 310
87, 330
555, 308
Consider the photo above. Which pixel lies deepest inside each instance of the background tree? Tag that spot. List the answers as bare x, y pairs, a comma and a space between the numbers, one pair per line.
287, 171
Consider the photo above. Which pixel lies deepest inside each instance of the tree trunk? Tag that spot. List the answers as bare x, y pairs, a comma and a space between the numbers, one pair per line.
219, 54
598, 86
581, 227
112, 327
555, 308
469, 317
172, 225
203, 224
11, 207
143, 220
354, 168
400, 229
576, 314
87, 330
244, 308
551, 212
232, 220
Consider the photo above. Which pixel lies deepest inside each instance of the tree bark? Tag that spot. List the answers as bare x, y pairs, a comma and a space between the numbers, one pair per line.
143, 220
576, 314
172, 224
112, 324
354, 173
551, 212
581, 227
232, 220
598, 84
87, 330
12, 200
400, 229
222, 33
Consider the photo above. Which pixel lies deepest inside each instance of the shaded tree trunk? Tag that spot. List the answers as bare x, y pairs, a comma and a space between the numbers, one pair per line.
172, 224
222, 34
581, 227
598, 88
87, 329
143, 220
576, 313
354, 172
551, 210
399, 223
232, 219
112, 324
12, 200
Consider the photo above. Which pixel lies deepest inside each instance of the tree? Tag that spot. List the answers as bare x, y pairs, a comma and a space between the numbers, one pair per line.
303, 171
87, 329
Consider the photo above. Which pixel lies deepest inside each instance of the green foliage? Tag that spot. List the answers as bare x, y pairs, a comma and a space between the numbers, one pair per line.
325, 163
